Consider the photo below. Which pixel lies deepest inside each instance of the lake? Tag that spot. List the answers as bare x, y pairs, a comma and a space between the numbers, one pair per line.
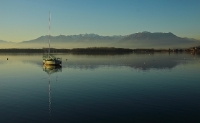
128, 88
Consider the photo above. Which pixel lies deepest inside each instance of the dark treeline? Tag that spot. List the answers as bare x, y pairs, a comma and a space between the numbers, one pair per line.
96, 50
166, 50
13, 50
100, 50
91, 50
16, 50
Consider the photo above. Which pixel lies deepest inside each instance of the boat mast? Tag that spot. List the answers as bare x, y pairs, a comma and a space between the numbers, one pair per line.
49, 32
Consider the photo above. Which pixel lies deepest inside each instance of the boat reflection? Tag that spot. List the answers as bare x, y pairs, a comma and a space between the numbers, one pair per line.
50, 69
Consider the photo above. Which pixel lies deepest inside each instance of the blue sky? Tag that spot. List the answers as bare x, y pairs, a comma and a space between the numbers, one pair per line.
22, 20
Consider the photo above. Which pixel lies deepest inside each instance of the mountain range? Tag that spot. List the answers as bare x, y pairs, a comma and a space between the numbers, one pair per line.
137, 40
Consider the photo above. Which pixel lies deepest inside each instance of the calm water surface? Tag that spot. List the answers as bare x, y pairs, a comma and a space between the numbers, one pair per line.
140, 88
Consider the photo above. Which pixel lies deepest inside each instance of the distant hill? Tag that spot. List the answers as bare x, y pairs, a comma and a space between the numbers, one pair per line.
6, 44
136, 40
72, 41
156, 40
91, 38
1, 41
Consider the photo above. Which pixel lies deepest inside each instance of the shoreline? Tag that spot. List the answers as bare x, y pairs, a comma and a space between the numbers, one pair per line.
96, 50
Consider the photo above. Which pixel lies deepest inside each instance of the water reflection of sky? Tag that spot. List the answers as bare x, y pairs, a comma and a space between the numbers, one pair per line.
89, 87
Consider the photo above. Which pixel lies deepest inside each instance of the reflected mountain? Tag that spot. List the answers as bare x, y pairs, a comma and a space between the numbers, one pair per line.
143, 61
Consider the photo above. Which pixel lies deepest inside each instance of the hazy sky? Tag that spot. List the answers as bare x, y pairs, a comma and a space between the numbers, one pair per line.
22, 20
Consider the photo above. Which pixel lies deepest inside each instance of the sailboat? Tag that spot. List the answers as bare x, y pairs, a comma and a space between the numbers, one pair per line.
50, 59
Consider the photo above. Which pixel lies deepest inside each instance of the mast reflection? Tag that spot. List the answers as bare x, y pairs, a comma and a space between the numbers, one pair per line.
50, 69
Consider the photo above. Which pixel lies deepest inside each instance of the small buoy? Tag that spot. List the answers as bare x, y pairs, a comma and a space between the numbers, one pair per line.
7, 58
66, 59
